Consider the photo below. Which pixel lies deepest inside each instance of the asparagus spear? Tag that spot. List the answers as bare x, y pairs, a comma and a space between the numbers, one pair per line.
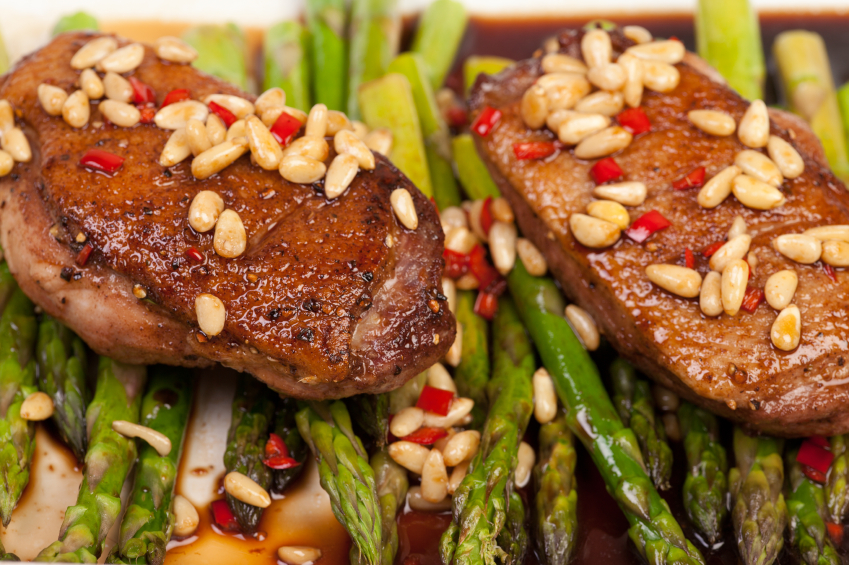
7, 283
806, 509
594, 420
18, 330
391, 483
221, 52
556, 499
253, 409
472, 374
513, 538
477, 65
286, 427
472, 171
480, 502
375, 35
837, 492
286, 53
107, 463
706, 485
758, 511
326, 24
61, 375
633, 399
373, 415
347, 477
441, 29
148, 522
80, 21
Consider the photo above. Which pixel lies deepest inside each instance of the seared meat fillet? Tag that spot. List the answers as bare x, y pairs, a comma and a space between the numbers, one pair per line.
331, 297
727, 364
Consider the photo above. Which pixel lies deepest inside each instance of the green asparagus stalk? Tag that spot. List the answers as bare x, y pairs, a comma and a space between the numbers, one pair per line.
347, 477
148, 521
441, 29
4, 56
758, 511
253, 409
633, 399
472, 374
391, 483
556, 500
18, 331
837, 485
480, 502
472, 171
375, 36
61, 371
513, 538
806, 510
222, 52
728, 36
482, 65
81, 21
372, 415
287, 65
706, 485
329, 53
407, 395
286, 427
593, 418
7, 556
107, 463
7, 283
446, 192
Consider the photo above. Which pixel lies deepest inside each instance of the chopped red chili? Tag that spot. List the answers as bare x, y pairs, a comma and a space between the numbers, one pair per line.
813, 474
634, 120
280, 462
195, 255
534, 150
84, 254
486, 121
457, 117
148, 114
689, 260
821, 441
456, 264
814, 456
829, 272
285, 127
752, 299
142, 93
482, 270
223, 516
486, 215
435, 400
100, 160
177, 95
694, 179
646, 225
605, 170
275, 446
486, 305
712, 248
425, 436
228, 117
835, 532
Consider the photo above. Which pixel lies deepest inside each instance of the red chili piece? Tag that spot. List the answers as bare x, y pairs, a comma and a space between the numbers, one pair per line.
284, 129
195, 255
435, 400
488, 277
223, 517
177, 95
689, 260
228, 117
142, 93
456, 264
425, 436
147, 114
647, 224
605, 170
712, 248
752, 299
835, 532
829, 272
694, 179
821, 441
84, 254
457, 117
486, 305
634, 120
814, 456
280, 462
813, 474
100, 160
486, 215
486, 121
275, 446
534, 150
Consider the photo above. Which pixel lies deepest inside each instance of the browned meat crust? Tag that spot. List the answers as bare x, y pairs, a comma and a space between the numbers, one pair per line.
319, 306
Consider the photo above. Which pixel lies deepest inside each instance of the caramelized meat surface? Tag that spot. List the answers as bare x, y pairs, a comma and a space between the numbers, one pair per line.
727, 364
330, 298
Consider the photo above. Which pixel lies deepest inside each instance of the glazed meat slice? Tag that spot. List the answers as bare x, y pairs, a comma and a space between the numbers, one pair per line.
330, 298
726, 363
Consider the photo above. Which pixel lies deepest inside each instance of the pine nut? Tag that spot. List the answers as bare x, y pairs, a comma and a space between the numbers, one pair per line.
457, 475
174, 50
637, 34
139, 292
596, 48
449, 289
460, 408
592, 232
302, 170
240, 107
611, 211
787, 329
230, 239
36, 407
342, 171
454, 217
461, 447
156, 440
467, 282
264, 147
117, 88
93, 52
757, 165
823, 233
801, 248
438, 377
52, 98
671, 426
563, 91
308, 146
460, 240
630, 193
835, 253
603, 143
175, 116
556, 118
780, 288
216, 131
236, 130
584, 326
406, 421
7, 116
733, 286
710, 296
680, 281
786, 157
216, 159
502, 246
534, 108
360, 129
409, 455
15, 143
665, 399
667, 51
76, 110
578, 127
197, 137
545, 398
455, 352
120, 113
245, 489
405, 210
434, 477
659, 76
6, 163
633, 91
738, 227
560, 63
717, 189
379, 141
602, 102
713, 122
204, 210
419, 504
501, 210
298, 554
176, 149
607, 77
525, 464
210, 313
91, 84
270, 99
123, 60
186, 518
317, 121
337, 121
533, 260
346, 142
755, 194
754, 127
734, 249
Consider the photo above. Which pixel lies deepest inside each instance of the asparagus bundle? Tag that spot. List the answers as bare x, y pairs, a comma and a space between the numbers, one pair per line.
513, 538
286, 427
249, 428
391, 483
758, 511
329, 56
806, 509
148, 521
107, 464
221, 52
706, 485
472, 374
837, 492
286, 54
480, 502
556, 501
375, 36
441, 28
594, 420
